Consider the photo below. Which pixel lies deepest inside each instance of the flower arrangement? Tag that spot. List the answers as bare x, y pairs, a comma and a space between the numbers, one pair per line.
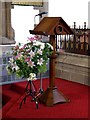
29, 59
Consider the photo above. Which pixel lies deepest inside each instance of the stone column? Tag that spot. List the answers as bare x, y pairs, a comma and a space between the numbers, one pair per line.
43, 8
6, 31
89, 14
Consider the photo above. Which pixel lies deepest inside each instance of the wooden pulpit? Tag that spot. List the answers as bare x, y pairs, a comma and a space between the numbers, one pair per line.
52, 26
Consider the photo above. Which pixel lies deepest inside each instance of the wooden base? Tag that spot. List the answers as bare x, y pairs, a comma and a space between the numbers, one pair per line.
52, 96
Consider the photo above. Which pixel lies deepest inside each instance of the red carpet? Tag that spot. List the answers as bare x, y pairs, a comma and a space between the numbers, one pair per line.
76, 108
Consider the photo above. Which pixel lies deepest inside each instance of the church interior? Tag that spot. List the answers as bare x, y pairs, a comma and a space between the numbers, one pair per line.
47, 77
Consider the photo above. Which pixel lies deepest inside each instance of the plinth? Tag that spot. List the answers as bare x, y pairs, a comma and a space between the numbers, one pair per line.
52, 96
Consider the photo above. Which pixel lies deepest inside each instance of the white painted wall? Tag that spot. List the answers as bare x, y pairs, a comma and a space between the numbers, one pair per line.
23, 21
70, 10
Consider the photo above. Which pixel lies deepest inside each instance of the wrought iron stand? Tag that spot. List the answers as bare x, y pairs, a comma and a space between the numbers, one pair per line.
41, 89
30, 90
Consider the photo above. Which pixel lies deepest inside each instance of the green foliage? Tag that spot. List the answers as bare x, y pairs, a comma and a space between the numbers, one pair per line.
30, 59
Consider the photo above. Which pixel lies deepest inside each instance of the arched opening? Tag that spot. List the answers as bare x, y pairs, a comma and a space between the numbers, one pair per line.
22, 18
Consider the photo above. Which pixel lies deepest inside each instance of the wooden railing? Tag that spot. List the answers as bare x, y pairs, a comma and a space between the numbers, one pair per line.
78, 43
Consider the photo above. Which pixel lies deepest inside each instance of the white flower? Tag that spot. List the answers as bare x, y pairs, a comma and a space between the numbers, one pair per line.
32, 76
50, 45
39, 51
11, 60
35, 43
40, 61
32, 54
42, 45
31, 64
14, 66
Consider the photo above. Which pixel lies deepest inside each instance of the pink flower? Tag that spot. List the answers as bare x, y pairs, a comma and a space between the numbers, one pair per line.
24, 46
31, 38
16, 47
21, 49
16, 57
27, 59
31, 64
36, 37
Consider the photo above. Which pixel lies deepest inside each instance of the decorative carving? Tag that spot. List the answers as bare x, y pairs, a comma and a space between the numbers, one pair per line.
59, 29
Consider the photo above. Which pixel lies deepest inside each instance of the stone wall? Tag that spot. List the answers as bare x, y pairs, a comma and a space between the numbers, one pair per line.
5, 55
73, 67
6, 30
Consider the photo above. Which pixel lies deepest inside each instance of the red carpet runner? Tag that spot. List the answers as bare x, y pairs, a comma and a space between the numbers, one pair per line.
77, 108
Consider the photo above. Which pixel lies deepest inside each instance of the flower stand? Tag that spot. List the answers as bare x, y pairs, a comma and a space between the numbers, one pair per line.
30, 90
